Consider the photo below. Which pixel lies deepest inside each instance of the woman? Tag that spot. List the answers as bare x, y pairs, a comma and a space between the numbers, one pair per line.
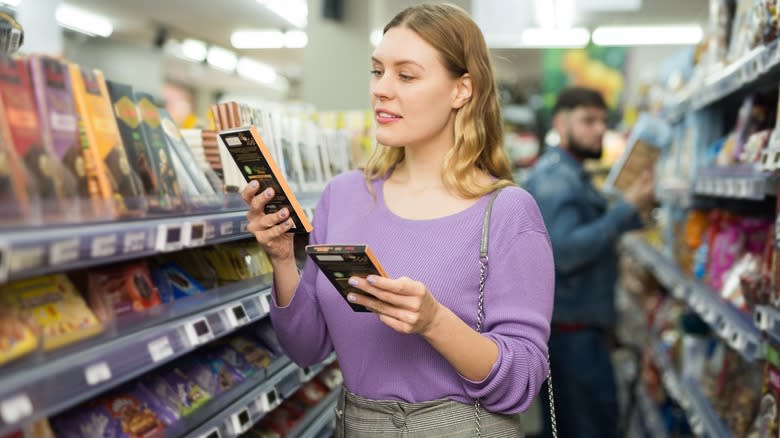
416, 365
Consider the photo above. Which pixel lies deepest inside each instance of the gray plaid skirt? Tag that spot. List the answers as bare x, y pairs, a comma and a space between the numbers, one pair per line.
357, 417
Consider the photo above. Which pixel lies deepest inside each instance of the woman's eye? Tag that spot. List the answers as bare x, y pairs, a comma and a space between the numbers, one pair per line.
376, 73
405, 77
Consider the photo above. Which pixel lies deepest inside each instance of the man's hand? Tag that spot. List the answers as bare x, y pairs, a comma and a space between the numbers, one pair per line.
641, 192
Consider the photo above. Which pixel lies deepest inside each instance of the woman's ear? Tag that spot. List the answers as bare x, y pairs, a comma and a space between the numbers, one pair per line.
463, 91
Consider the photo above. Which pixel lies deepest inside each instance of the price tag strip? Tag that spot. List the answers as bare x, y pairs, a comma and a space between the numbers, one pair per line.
194, 234
103, 246
237, 315
97, 373
198, 331
16, 408
64, 251
226, 229
268, 401
213, 433
169, 237
265, 302
241, 421
160, 349
23, 259
134, 241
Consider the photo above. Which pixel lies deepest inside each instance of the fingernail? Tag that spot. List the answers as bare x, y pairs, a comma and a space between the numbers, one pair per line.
283, 213
351, 298
268, 193
371, 279
253, 184
353, 282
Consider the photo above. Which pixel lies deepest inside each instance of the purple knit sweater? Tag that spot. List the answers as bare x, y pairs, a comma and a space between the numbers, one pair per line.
381, 364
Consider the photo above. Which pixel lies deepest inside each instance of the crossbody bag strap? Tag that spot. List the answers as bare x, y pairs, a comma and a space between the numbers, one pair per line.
483, 265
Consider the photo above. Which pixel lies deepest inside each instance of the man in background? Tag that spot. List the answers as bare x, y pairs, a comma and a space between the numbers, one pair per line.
584, 229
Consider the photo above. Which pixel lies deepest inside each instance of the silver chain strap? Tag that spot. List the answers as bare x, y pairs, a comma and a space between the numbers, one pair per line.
483, 263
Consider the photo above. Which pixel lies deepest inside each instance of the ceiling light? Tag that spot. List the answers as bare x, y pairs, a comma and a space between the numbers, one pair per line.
564, 14
295, 39
194, 50
222, 59
294, 12
257, 39
545, 13
376, 37
542, 38
83, 21
256, 71
647, 35
13, 3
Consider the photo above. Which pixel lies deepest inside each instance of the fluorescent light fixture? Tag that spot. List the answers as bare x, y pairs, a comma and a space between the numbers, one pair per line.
13, 3
194, 50
542, 38
376, 37
222, 59
295, 39
83, 21
545, 13
294, 12
564, 14
257, 39
647, 35
256, 71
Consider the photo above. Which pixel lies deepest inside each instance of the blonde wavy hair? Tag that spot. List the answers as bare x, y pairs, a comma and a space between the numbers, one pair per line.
478, 127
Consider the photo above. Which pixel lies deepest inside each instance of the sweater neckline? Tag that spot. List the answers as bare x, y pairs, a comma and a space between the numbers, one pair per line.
459, 216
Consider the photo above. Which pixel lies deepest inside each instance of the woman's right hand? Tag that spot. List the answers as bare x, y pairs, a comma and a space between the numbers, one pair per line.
270, 230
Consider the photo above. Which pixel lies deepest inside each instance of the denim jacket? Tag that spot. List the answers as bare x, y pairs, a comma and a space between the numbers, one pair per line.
584, 229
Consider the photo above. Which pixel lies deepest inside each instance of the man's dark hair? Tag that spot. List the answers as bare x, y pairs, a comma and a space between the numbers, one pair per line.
574, 97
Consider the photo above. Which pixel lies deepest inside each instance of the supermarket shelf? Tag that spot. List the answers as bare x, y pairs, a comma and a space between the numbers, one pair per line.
651, 417
737, 182
767, 319
318, 418
236, 417
701, 415
48, 384
750, 71
28, 252
733, 326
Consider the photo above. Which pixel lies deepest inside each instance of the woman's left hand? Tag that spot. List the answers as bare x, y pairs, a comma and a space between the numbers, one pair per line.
403, 304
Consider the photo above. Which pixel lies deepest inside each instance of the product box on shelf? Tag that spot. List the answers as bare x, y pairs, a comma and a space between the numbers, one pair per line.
121, 290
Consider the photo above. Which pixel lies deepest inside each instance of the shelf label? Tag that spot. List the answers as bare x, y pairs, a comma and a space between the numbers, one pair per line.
265, 302
134, 241
213, 433
169, 237
268, 401
244, 226
305, 374
210, 231
103, 246
241, 421
237, 315
226, 229
97, 373
16, 408
160, 349
198, 331
23, 259
64, 251
197, 234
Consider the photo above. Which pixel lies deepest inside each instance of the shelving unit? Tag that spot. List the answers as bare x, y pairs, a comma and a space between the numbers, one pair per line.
735, 182
252, 400
51, 383
759, 65
733, 326
318, 419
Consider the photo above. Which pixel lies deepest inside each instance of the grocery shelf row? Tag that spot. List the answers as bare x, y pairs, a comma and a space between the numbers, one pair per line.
247, 404
32, 251
735, 182
45, 384
735, 327
701, 415
754, 68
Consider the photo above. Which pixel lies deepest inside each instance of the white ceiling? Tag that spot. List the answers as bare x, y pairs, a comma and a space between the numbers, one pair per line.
213, 21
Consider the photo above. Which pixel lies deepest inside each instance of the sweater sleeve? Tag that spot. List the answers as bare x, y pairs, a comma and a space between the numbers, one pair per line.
300, 326
518, 309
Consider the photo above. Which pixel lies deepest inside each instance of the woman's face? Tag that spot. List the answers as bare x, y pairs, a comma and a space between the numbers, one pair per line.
412, 93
